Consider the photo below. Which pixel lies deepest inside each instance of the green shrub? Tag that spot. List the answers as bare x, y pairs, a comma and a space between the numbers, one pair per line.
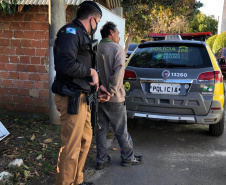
220, 42
211, 40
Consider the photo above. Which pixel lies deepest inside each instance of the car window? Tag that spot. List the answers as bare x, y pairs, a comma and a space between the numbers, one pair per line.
169, 56
132, 47
224, 53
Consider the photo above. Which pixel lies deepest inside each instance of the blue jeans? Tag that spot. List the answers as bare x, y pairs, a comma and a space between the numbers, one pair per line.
115, 114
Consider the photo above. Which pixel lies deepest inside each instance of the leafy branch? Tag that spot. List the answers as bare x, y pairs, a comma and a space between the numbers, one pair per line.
8, 6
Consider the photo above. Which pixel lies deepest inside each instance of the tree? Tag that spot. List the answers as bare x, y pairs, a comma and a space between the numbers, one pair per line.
203, 23
8, 6
220, 42
211, 40
143, 16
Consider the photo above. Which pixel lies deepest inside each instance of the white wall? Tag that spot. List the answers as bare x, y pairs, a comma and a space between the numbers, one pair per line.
108, 15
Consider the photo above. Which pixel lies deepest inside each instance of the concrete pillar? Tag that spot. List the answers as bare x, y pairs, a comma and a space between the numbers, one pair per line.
57, 18
222, 18
118, 11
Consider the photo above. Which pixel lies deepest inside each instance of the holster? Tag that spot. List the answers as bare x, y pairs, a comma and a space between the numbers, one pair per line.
73, 101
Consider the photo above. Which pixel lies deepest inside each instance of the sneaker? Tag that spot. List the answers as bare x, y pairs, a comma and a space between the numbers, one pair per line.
102, 165
136, 161
87, 183
139, 157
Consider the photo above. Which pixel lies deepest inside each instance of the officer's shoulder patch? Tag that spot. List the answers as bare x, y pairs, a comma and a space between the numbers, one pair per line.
71, 30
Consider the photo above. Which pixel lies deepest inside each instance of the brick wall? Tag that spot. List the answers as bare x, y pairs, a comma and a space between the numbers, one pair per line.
24, 60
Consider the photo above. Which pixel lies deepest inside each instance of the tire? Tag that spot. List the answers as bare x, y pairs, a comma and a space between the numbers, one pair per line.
218, 128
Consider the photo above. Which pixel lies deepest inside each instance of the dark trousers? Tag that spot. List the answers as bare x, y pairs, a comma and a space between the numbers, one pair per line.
114, 114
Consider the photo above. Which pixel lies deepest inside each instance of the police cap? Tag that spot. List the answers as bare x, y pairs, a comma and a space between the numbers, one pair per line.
93, 4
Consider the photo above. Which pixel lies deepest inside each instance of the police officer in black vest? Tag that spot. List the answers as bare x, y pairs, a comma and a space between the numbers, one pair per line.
72, 85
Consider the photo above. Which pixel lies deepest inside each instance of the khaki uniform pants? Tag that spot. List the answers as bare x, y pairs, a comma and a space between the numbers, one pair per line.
76, 136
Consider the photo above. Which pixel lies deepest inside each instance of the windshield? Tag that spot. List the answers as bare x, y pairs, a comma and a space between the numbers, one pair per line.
170, 56
132, 47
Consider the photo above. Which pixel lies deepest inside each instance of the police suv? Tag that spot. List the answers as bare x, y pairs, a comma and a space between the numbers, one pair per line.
176, 80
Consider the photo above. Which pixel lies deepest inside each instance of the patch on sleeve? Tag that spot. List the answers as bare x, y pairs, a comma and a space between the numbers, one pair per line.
71, 30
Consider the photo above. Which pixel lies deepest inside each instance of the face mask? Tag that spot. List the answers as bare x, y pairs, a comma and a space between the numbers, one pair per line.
92, 31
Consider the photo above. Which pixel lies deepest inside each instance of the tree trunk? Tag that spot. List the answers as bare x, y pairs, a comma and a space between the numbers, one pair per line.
127, 42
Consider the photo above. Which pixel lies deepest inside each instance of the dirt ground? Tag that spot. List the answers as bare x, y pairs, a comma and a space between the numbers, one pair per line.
37, 143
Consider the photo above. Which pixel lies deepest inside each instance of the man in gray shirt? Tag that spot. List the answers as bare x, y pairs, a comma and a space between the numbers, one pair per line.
111, 62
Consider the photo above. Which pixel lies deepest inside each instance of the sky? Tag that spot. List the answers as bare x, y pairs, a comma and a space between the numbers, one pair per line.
212, 7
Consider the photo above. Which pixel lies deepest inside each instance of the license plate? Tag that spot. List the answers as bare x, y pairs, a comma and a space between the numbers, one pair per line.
165, 88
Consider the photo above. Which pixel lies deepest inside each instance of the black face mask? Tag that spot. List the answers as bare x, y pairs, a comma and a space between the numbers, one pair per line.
92, 31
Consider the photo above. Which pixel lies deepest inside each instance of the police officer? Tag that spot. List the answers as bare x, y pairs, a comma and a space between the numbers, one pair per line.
74, 72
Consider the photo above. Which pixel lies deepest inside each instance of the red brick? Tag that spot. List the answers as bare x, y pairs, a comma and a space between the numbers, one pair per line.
4, 42
8, 18
44, 77
19, 17
4, 75
25, 43
34, 77
2, 50
10, 51
27, 84
24, 92
41, 69
45, 44
41, 109
35, 60
19, 51
36, 43
44, 93
46, 85
38, 85
7, 83
30, 52
25, 26
46, 101
2, 67
47, 52
43, 9
27, 100
35, 9
31, 68
15, 43
5, 25
4, 59
38, 101
8, 34
17, 83
13, 91
13, 75
20, 107
10, 106
40, 52
40, 35
23, 76
29, 34
29, 17
45, 26
30, 108
17, 99
36, 26
4, 91
18, 34
11, 67
22, 67
41, 17
15, 25
14, 59
2, 106
25, 59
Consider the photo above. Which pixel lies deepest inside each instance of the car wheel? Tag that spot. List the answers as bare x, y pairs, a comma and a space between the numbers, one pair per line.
218, 128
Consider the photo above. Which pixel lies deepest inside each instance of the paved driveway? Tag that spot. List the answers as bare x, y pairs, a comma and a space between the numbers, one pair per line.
173, 155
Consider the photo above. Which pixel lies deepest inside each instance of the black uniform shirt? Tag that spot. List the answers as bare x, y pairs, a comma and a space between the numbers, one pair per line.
72, 57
